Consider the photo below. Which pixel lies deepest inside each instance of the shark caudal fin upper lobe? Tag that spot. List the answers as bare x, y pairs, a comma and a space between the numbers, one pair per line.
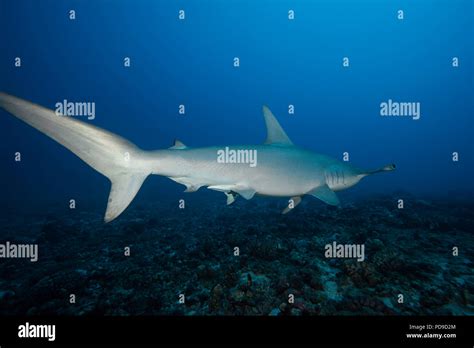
111, 155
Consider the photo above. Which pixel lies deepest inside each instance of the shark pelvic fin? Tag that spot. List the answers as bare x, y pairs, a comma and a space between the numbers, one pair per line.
178, 145
221, 188
275, 134
294, 201
247, 193
240, 189
192, 188
230, 197
325, 194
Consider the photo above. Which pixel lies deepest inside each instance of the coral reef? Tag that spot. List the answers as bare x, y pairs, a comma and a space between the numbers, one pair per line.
192, 253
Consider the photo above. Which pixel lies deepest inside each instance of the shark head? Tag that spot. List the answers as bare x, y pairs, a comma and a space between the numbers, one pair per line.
342, 176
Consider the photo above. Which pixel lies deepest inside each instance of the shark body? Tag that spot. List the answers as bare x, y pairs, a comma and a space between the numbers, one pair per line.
283, 169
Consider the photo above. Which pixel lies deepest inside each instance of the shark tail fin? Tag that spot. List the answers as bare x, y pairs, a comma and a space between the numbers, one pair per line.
111, 155
123, 191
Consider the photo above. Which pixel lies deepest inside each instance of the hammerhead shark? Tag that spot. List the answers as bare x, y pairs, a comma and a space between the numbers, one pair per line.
277, 168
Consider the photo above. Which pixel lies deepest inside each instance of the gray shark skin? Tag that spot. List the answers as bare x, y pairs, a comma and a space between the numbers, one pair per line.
282, 169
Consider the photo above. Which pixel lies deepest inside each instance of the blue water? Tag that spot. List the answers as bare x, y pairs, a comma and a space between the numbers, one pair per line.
282, 62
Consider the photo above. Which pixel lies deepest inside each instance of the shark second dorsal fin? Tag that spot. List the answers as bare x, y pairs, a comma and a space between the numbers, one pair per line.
178, 145
275, 134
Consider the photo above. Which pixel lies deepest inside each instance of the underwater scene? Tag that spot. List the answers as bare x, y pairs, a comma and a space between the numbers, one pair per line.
325, 149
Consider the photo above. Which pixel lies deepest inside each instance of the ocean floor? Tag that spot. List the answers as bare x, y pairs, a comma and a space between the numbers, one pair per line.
191, 252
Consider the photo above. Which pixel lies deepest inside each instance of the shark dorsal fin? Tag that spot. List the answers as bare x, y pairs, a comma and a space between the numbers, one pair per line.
178, 145
275, 134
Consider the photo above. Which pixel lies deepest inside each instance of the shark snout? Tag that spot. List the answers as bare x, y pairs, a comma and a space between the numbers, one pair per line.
387, 168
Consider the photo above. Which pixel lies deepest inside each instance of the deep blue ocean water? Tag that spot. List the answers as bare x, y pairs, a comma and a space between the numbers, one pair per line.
282, 62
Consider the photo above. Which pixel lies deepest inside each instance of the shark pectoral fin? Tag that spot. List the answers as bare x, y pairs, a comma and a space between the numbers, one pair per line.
124, 189
293, 202
230, 197
246, 193
325, 194
178, 145
275, 134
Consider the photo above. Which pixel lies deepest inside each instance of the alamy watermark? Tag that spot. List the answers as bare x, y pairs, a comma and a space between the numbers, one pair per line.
25, 251
345, 251
67, 108
246, 156
402, 109
28, 330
